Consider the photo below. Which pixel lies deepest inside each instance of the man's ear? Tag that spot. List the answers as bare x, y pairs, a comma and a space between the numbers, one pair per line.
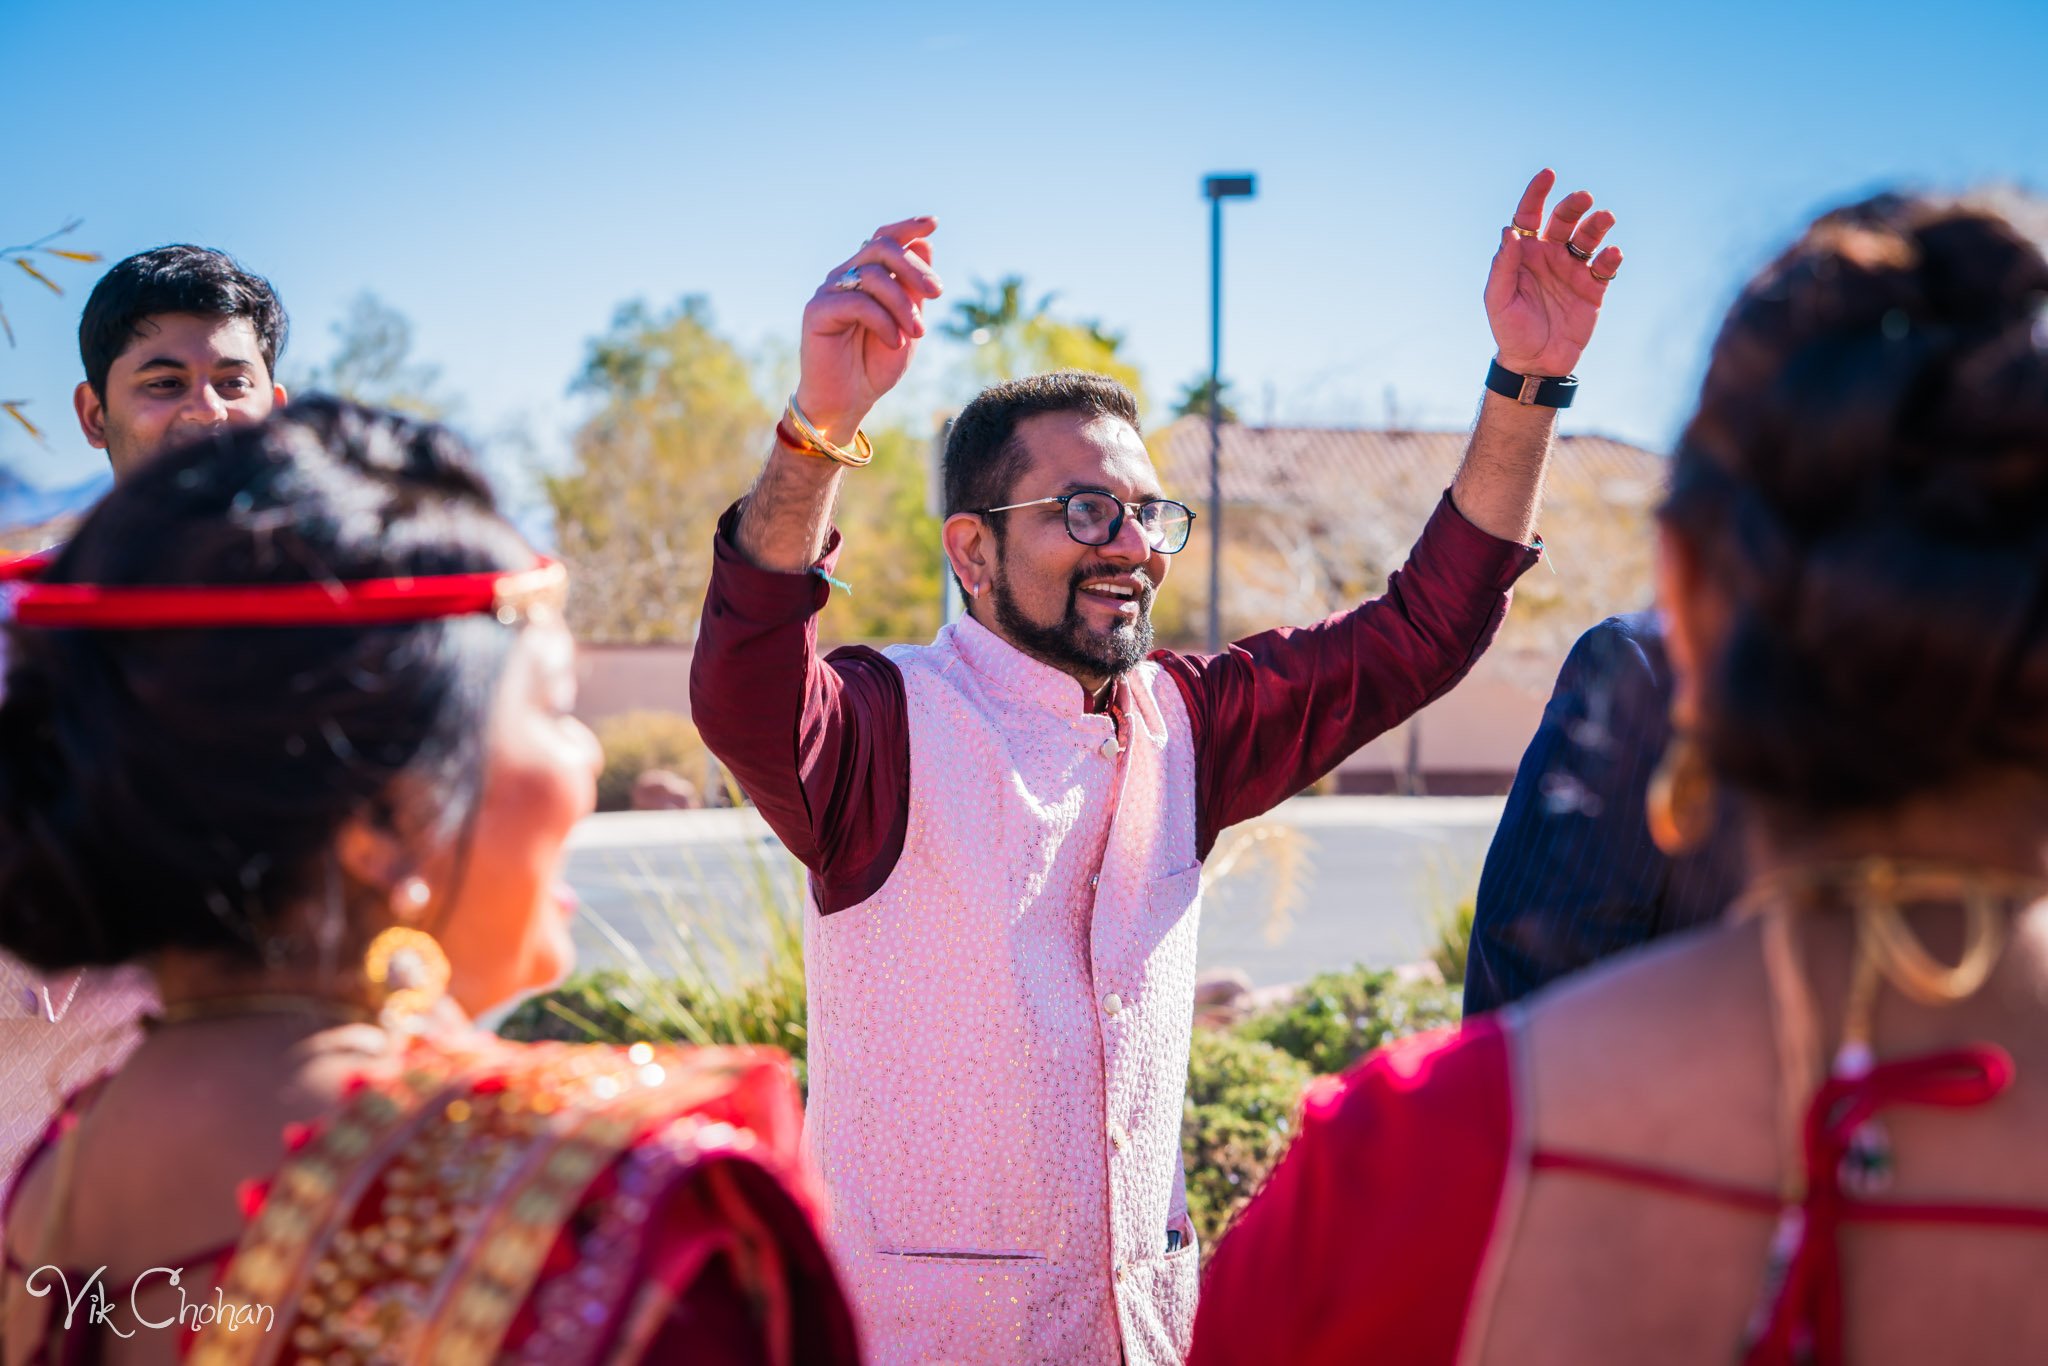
971, 550
278, 397
92, 415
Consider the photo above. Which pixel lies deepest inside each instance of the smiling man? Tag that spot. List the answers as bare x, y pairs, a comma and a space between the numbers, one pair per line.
177, 343
1005, 828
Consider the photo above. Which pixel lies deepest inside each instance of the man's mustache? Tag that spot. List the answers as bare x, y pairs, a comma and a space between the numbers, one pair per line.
1147, 589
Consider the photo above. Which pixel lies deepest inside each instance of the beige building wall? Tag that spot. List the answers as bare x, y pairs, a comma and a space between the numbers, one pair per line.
1468, 742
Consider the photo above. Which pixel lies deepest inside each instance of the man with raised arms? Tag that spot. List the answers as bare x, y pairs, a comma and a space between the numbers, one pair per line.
1004, 828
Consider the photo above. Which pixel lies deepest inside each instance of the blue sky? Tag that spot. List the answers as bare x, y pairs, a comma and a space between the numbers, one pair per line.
507, 174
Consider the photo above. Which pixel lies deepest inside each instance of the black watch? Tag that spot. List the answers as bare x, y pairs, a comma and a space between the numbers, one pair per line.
1537, 389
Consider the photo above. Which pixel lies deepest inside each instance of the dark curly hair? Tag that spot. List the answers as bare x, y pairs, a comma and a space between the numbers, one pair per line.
180, 788
175, 279
1866, 480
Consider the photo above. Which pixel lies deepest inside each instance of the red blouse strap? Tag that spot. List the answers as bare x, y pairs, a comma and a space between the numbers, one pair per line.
1804, 1321
1663, 1179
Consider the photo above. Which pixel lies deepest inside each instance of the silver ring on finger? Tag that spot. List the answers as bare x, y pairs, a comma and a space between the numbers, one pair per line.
849, 279
1575, 249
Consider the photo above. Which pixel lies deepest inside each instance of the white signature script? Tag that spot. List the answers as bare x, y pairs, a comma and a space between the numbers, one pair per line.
100, 1307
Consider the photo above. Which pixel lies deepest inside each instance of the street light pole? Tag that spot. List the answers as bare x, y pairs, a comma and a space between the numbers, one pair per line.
1217, 188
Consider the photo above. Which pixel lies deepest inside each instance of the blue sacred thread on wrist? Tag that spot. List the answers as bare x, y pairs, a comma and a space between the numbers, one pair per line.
841, 584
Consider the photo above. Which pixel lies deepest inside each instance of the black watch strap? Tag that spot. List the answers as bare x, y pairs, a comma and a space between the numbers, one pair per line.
1537, 389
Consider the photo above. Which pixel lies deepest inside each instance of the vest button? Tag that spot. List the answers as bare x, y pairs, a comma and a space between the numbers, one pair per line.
1117, 1137
1112, 1003
1094, 881
1111, 748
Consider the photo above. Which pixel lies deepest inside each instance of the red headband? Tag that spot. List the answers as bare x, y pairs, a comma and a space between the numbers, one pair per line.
365, 602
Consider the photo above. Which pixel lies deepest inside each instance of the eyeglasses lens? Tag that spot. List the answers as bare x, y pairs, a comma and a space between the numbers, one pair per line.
1092, 518
1165, 525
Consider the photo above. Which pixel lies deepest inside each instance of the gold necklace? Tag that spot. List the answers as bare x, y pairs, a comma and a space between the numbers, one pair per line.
1873, 890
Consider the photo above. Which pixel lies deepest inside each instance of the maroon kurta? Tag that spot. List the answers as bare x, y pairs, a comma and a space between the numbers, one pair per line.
822, 746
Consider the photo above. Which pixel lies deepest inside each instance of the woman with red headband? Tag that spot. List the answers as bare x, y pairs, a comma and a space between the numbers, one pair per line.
290, 722
1813, 1134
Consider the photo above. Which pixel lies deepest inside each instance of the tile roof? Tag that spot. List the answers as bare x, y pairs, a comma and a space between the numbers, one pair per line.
1276, 464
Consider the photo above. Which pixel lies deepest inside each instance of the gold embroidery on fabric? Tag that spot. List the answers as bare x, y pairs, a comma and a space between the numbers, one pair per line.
477, 1170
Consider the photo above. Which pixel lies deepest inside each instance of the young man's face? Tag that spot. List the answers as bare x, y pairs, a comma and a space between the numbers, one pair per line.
1081, 608
183, 377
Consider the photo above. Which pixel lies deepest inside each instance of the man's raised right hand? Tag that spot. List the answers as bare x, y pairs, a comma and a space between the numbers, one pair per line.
857, 342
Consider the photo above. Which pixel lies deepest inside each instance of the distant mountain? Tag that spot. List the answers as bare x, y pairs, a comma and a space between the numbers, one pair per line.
24, 505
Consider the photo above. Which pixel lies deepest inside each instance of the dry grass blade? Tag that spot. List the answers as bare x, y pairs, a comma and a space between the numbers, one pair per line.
87, 257
13, 410
50, 284
1283, 851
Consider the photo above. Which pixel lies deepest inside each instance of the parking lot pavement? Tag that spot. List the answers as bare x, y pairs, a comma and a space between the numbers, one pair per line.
1319, 883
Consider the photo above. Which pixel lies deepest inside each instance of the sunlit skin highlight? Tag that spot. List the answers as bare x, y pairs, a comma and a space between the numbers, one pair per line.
183, 377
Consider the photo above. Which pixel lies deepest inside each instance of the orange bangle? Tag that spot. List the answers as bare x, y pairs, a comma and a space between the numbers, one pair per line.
795, 431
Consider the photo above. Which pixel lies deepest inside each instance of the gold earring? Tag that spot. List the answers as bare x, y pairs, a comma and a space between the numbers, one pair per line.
1680, 801
408, 974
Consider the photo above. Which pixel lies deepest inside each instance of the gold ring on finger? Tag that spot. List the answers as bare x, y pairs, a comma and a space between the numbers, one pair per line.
849, 280
1603, 279
1575, 249
1518, 230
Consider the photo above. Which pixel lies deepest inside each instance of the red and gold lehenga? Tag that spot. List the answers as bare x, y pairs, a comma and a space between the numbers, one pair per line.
550, 1203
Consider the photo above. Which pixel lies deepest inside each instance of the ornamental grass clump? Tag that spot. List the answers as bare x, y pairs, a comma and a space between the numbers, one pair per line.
699, 983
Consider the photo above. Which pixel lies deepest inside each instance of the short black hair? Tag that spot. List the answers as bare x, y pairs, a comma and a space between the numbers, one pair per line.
179, 789
983, 455
175, 279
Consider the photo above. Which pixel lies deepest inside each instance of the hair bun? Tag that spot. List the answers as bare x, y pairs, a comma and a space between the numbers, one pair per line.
1867, 480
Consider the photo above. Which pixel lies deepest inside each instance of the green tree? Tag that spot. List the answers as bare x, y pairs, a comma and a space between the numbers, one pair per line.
373, 363
892, 561
1194, 399
677, 434
1011, 337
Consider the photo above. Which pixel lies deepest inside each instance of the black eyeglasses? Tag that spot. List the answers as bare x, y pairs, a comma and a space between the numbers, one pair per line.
1095, 518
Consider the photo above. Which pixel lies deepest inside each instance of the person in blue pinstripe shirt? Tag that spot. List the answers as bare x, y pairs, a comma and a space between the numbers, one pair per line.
1573, 876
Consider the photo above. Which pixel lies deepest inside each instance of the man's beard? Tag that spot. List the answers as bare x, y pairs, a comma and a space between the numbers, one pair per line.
1070, 644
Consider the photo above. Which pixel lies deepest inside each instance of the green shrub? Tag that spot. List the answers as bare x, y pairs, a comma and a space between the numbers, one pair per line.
1454, 941
637, 741
1339, 1017
1240, 1111
618, 1007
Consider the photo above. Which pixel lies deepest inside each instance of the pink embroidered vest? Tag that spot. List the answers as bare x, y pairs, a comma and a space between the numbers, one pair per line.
999, 1036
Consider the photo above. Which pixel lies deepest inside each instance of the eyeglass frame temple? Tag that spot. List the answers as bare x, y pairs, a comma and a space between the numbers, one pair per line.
1123, 508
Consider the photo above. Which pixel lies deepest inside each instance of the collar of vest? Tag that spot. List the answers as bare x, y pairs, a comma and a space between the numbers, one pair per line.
1017, 673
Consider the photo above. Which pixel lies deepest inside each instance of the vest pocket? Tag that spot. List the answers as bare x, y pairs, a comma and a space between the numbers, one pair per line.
950, 1254
1173, 894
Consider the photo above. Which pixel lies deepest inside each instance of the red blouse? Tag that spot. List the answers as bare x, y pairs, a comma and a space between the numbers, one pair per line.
1368, 1241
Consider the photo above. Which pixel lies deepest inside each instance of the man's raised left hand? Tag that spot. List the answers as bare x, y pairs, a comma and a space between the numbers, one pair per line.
1542, 296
